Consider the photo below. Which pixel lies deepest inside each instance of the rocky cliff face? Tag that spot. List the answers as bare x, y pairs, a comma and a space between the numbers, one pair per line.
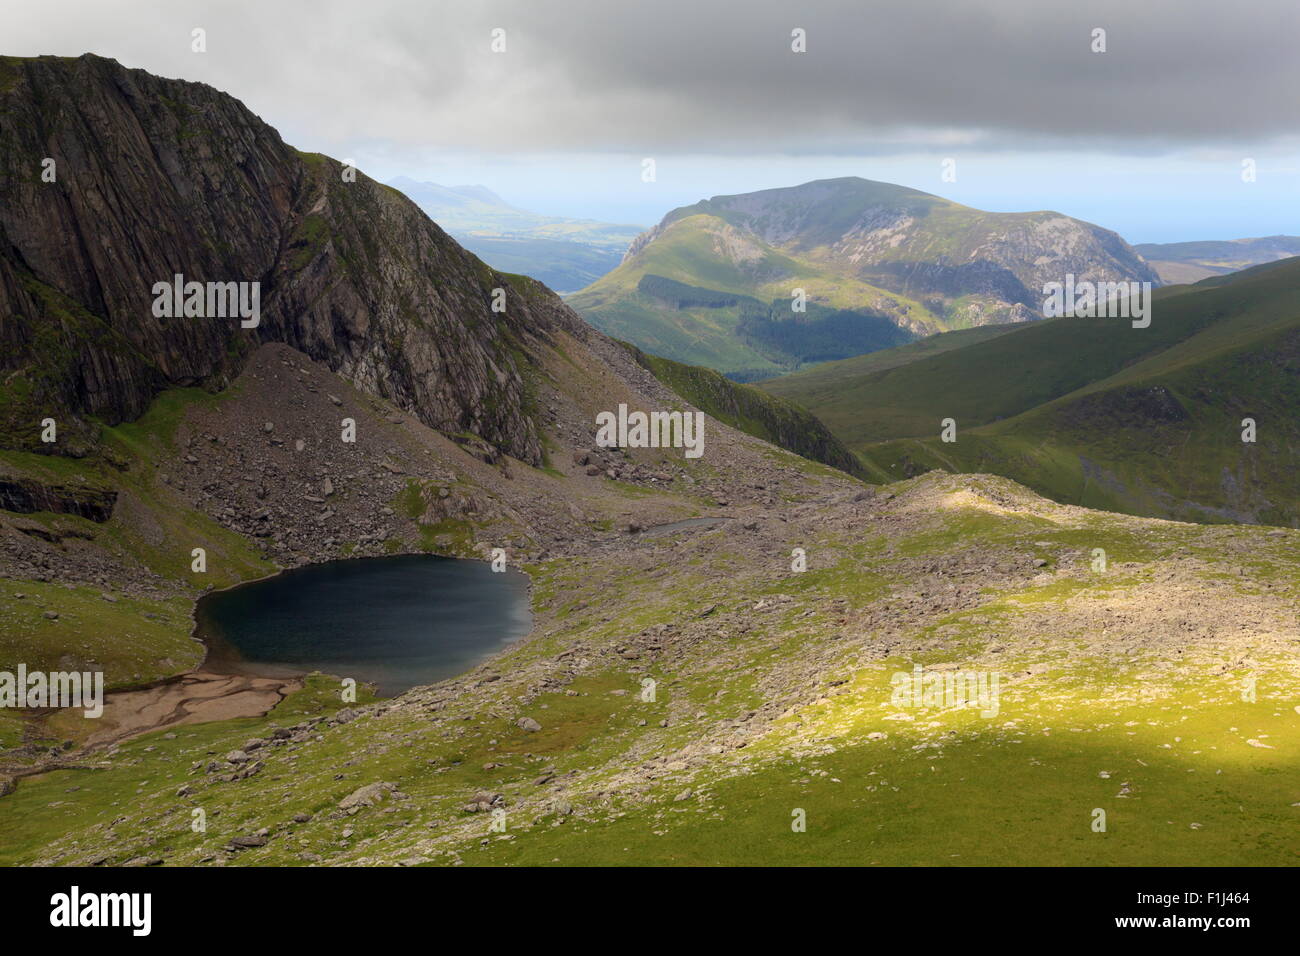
155, 177
26, 496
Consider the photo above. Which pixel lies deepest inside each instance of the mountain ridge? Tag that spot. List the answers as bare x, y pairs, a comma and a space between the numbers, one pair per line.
1182, 262
352, 273
80, 337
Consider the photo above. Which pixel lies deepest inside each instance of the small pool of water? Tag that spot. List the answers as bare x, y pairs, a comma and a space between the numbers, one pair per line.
397, 622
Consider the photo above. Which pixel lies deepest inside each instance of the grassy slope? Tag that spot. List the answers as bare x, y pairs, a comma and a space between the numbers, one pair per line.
822, 382
1064, 406
1182, 273
1165, 752
994, 378
1095, 446
133, 639
1102, 448
746, 408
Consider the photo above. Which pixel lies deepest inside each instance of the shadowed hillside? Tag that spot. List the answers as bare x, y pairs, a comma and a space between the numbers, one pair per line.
1095, 412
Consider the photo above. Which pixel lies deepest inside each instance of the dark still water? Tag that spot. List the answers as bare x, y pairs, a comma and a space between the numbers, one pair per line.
397, 622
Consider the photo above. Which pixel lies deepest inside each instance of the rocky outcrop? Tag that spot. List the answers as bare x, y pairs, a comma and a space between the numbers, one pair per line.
153, 178
26, 496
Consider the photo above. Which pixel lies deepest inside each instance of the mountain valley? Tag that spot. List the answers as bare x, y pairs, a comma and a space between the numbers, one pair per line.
1091, 411
713, 674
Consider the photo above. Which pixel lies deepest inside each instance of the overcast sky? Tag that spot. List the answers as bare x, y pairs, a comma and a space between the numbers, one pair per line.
1147, 138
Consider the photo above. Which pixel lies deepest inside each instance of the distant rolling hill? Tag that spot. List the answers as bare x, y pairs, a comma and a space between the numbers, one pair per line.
1097, 413
879, 265
565, 254
1178, 262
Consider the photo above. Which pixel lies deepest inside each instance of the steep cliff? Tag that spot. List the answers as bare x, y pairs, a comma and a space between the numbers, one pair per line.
153, 178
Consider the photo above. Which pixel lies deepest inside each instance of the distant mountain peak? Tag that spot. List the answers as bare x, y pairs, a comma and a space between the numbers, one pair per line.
850, 246
481, 193
837, 185
435, 196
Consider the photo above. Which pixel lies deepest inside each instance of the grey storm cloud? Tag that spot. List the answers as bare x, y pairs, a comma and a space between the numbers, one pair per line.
717, 76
